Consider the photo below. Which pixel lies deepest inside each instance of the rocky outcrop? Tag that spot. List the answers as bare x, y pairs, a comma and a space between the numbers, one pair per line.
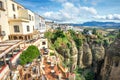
85, 56
74, 54
98, 52
79, 58
111, 67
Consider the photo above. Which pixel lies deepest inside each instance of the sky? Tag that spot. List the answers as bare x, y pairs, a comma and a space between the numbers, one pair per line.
75, 11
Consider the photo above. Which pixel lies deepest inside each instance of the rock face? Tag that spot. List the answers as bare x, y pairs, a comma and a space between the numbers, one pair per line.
74, 54
85, 56
111, 67
98, 53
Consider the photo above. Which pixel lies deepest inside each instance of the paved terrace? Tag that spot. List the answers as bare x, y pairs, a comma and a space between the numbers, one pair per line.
52, 70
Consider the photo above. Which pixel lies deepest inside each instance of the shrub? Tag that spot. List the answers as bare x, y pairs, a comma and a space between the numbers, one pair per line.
94, 31
29, 54
51, 54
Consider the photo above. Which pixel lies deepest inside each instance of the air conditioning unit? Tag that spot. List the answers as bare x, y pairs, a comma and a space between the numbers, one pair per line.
3, 33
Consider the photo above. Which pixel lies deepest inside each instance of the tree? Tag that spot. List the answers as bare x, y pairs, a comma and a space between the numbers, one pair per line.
57, 34
94, 31
105, 43
48, 35
118, 36
85, 31
28, 55
89, 76
78, 42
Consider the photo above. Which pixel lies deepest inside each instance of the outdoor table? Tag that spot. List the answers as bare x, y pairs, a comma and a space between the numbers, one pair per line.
48, 61
52, 65
43, 66
52, 71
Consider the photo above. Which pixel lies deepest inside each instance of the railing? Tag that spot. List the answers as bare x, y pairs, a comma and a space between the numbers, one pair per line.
16, 56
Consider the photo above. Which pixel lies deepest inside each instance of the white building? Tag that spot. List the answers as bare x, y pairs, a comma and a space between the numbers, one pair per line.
51, 25
21, 21
42, 27
69, 27
65, 27
79, 29
40, 24
4, 27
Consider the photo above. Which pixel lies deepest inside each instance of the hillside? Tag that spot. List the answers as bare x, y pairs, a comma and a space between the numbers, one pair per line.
100, 24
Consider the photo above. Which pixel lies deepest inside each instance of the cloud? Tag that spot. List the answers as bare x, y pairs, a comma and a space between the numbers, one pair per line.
89, 9
108, 17
70, 13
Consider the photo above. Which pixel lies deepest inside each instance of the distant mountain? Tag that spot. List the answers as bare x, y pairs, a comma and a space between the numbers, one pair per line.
99, 24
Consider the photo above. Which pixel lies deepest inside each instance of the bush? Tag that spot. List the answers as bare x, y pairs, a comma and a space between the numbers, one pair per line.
89, 76
94, 31
51, 54
77, 39
29, 54
105, 43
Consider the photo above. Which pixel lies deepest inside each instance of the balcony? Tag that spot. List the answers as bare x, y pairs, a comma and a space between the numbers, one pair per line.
23, 16
18, 20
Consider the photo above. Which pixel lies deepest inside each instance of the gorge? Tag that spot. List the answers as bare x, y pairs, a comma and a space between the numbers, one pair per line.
88, 56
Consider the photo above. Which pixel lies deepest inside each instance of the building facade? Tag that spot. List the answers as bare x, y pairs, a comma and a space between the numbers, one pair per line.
40, 25
4, 27
21, 21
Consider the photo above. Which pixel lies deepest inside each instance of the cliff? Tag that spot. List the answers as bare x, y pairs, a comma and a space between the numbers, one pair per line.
111, 67
75, 52
85, 56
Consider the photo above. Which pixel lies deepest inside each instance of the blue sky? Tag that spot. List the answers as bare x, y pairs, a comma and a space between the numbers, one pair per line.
75, 11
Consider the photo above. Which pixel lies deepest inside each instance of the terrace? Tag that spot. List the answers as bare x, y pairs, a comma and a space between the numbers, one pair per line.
52, 69
9, 52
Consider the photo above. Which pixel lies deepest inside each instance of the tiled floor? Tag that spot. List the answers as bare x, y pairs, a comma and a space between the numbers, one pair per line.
48, 68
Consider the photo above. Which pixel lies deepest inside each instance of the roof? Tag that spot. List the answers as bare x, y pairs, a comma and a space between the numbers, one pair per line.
7, 46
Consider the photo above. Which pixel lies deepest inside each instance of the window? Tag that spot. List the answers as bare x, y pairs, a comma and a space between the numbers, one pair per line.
30, 17
14, 16
13, 7
1, 4
28, 28
39, 24
16, 28
44, 43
